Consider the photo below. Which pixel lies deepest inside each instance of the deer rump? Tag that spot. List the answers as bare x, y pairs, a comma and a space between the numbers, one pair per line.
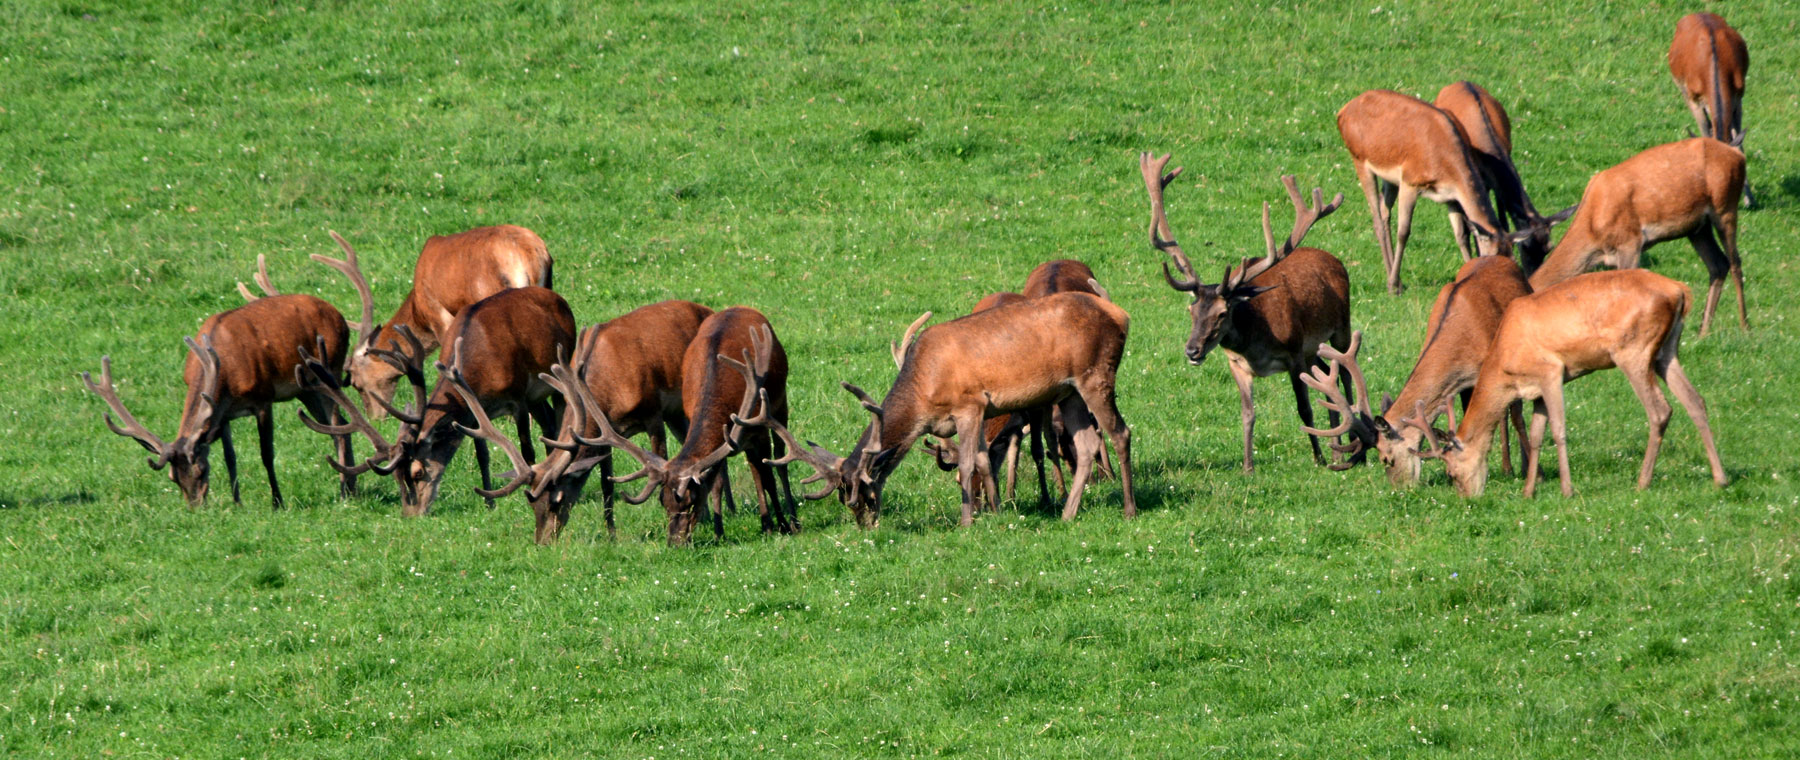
1016, 356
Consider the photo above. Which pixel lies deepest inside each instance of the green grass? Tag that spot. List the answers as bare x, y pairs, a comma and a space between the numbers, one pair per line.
844, 168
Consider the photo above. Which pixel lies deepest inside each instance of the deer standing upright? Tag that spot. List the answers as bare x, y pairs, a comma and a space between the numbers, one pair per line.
1488, 133
1708, 60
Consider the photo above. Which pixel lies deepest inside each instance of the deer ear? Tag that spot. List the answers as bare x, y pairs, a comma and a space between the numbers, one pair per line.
1562, 215
1387, 402
1248, 292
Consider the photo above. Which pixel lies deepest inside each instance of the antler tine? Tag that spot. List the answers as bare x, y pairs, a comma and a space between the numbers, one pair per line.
1161, 237
262, 281
348, 265
1325, 382
209, 366
824, 463
522, 473
131, 427
1305, 216
1423, 423
1098, 290
753, 392
410, 361
1348, 358
561, 379
323, 382
906, 340
610, 438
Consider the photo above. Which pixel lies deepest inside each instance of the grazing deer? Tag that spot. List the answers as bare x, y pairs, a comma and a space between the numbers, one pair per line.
1307, 301
1709, 60
1457, 335
1684, 189
631, 368
498, 347
1488, 133
1629, 318
1417, 150
240, 365
452, 272
1063, 348
719, 394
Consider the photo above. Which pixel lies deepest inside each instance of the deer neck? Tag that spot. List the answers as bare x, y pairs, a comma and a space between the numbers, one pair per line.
1571, 256
407, 315
1487, 408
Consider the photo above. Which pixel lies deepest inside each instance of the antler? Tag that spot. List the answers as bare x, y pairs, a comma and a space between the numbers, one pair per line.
131, 429
1161, 237
209, 371
899, 349
410, 360
1423, 423
349, 267
762, 339
1305, 216
1358, 418
609, 437
826, 465
262, 281
324, 382
522, 473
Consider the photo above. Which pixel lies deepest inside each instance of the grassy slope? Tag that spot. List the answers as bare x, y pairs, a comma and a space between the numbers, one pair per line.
844, 169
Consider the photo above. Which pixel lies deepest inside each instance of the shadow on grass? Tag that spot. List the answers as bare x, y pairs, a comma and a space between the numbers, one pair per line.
12, 501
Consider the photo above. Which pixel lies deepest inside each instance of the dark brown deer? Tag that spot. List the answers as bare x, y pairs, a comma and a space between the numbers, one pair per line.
241, 364
1461, 327
1685, 189
1709, 60
1630, 319
452, 272
1060, 349
1417, 150
1268, 314
1488, 133
719, 394
631, 368
499, 346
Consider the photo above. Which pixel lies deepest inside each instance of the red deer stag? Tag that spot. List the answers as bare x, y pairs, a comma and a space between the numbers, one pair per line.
498, 347
1060, 349
1685, 189
1416, 150
1488, 133
719, 394
240, 365
1461, 327
1709, 60
1630, 319
452, 272
1307, 301
631, 367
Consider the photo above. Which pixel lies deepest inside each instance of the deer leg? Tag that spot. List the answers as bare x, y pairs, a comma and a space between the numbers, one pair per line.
1717, 266
779, 449
1242, 375
484, 464
230, 459
1516, 412
719, 497
321, 408
1643, 382
1377, 215
1728, 233
1085, 434
265, 443
1011, 460
1698, 110
1539, 415
1103, 406
1459, 229
984, 469
1559, 429
606, 492
1409, 196
522, 419
1304, 403
968, 443
1695, 406
1036, 431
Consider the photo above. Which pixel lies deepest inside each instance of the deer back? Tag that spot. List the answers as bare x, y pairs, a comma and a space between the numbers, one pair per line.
501, 343
996, 300
1390, 130
455, 271
1483, 121
258, 348
1309, 303
1058, 276
1463, 322
711, 391
1708, 59
633, 365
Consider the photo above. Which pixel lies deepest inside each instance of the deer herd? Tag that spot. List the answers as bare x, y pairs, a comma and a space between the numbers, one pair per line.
1039, 366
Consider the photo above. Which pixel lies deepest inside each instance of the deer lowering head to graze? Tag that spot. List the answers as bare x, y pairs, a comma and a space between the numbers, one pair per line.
240, 365
1685, 189
498, 347
1268, 314
1058, 349
1462, 326
734, 382
1488, 133
452, 272
1709, 60
631, 369
1630, 319
1415, 149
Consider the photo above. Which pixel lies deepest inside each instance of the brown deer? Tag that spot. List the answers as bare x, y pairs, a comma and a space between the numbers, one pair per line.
1488, 133
1063, 348
1630, 319
1709, 60
631, 368
1685, 189
1457, 335
452, 272
1268, 314
498, 348
241, 364
1416, 149
719, 394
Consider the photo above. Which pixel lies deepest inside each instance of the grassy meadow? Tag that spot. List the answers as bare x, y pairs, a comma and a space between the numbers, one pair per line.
844, 167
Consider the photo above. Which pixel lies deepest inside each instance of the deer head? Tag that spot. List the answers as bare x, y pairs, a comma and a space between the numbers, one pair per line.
186, 456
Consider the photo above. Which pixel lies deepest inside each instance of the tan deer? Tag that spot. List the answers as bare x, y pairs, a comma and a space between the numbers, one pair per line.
1630, 319
241, 364
1457, 336
1488, 132
1268, 314
631, 366
1063, 348
1416, 149
1709, 60
452, 272
1685, 189
719, 394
